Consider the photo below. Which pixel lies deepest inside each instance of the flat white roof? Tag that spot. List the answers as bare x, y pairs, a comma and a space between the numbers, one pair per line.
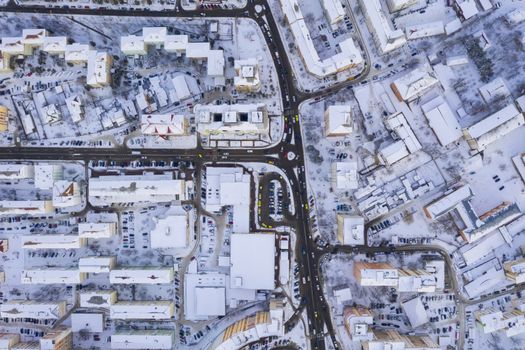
98, 68
92, 322
493, 121
414, 83
141, 275
181, 87
415, 311
398, 123
204, 295
77, 52
353, 229
485, 283
252, 261
52, 276
51, 241
97, 229
494, 89
346, 176
387, 37
55, 44
142, 310
449, 201
170, 232
51, 310
132, 44
424, 30
143, 339
394, 152
154, 35
442, 120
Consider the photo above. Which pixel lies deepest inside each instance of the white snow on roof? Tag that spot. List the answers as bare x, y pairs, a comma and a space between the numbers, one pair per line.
253, 261
52, 276
90, 321
170, 232
142, 310
143, 339
50, 310
415, 311
442, 120
494, 89
163, 124
424, 30
413, 84
141, 275
386, 36
204, 295
181, 87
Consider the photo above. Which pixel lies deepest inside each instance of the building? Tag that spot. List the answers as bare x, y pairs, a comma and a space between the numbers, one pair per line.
4, 111
97, 298
247, 75
52, 241
92, 322
77, 53
246, 121
492, 220
7, 340
97, 264
493, 127
392, 339
442, 120
98, 69
263, 324
492, 320
132, 45
358, 322
415, 311
385, 36
376, 274
75, 107
229, 186
349, 56
345, 176
249, 247
60, 338
351, 229
413, 84
143, 339
32, 208
4, 245
338, 120
97, 230
515, 16
393, 153
51, 114
334, 12
399, 124
42, 310
494, 90
424, 30
107, 190
466, 8
46, 175
53, 276
163, 125
66, 194
141, 275
204, 295
170, 232
515, 270
398, 5
54, 45
16, 171
448, 202
142, 310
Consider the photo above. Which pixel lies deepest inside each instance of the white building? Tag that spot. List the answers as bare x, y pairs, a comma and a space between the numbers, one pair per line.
467, 8
358, 323
170, 232
349, 56
55, 45
107, 190
386, 37
46, 175
515, 16
398, 5
247, 248
75, 107
492, 320
154, 35
419, 281
53, 276
334, 12
16, 171
442, 120
97, 264
142, 310
493, 127
97, 298
448, 202
229, 186
494, 89
97, 230
143, 339
399, 124
345, 176
181, 87
163, 124
66, 194
338, 120
413, 84
77, 53
351, 229
52, 241
232, 121
393, 153
424, 30
132, 45
51, 114
515, 270
376, 274
98, 69
41, 310
91, 322
204, 295
247, 75
141, 275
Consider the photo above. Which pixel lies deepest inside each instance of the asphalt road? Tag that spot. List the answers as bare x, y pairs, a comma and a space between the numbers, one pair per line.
307, 252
